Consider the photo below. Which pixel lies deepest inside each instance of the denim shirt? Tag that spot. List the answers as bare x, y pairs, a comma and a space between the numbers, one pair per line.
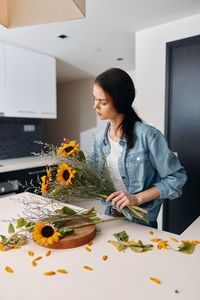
149, 163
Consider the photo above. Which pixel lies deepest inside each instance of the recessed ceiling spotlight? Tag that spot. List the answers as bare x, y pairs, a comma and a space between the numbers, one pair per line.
119, 58
62, 36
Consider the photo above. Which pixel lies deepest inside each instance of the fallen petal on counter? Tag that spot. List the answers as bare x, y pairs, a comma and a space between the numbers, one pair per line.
88, 268
155, 240
50, 273
156, 280
104, 257
62, 271
33, 263
9, 269
151, 232
174, 240
88, 249
90, 243
48, 253
38, 258
163, 245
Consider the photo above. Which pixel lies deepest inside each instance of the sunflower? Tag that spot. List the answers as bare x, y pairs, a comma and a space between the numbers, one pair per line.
69, 148
45, 234
65, 174
45, 180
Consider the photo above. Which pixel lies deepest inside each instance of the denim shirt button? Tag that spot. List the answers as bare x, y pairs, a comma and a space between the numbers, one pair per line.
138, 158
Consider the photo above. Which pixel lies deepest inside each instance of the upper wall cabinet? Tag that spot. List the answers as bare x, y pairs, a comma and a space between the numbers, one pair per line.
30, 83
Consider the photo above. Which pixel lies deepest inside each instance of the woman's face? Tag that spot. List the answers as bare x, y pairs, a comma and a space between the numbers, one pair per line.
103, 104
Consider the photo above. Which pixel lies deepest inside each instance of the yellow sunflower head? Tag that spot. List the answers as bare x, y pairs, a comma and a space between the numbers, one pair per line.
45, 180
69, 148
45, 234
65, 174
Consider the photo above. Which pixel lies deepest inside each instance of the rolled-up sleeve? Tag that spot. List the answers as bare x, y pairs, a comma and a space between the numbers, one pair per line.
172, 173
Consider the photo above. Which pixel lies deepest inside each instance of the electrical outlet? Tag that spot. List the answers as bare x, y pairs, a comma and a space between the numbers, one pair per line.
29, 127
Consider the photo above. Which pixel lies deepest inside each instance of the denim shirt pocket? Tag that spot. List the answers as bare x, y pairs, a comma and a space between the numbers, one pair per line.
137, 164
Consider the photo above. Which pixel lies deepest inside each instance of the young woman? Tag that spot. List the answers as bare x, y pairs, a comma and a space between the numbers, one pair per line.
143, 168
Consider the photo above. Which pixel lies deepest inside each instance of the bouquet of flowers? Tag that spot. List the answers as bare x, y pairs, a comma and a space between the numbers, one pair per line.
70, 175
75, 176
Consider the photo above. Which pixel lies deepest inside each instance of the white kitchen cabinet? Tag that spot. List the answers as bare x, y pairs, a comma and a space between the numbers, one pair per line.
30, 83
2, 79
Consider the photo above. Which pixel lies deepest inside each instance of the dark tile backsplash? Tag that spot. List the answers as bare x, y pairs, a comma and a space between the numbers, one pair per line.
14, 141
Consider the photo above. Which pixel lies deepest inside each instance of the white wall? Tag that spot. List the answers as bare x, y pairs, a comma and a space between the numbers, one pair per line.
150, 66
75, 112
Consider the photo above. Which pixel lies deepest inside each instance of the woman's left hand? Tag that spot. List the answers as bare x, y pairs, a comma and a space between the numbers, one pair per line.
121, 199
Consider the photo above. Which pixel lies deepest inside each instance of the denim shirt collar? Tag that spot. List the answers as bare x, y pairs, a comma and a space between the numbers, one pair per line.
122, 140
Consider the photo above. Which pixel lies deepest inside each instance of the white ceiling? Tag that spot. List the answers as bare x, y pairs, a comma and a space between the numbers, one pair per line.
107, 33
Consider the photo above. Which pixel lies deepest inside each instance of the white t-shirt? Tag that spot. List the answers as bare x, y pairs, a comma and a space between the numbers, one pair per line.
112, 163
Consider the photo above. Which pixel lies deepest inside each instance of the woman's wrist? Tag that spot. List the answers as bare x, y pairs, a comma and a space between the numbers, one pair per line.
146, 196
138, 199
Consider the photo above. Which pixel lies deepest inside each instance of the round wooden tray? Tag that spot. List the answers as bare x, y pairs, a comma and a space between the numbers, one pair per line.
81, 236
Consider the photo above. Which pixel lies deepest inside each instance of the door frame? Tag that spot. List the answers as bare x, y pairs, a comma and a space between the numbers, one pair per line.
169, 62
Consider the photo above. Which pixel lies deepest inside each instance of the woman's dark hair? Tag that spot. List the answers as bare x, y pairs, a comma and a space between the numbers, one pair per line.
119, 85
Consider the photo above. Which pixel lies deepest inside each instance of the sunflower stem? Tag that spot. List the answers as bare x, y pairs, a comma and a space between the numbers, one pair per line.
137, 214
138, 208
97, 222
66, 218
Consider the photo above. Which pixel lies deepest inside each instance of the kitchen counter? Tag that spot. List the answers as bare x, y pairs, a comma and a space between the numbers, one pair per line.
13, 164
124, 275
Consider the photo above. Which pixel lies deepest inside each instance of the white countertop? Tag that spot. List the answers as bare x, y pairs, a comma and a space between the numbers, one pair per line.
124, 275
21, 163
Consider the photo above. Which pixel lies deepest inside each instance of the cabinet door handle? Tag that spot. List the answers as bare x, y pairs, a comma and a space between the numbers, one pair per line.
26, 111
47, 113
36, 172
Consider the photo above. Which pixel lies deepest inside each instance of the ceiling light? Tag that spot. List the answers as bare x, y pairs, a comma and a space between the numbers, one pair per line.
62, 36
14, 13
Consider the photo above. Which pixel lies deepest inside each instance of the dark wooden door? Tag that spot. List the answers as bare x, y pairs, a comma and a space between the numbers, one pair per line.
183, 128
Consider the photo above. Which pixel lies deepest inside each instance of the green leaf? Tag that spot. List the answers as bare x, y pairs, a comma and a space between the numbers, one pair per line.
81, 156
148, 247
137, 248
21, 222
95, 219
11, 228
30, 224
65, 210
91, 211
119, 245
186, 247
78, 174
141, 248
66, 231
3, 238
121, 236
59, 224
